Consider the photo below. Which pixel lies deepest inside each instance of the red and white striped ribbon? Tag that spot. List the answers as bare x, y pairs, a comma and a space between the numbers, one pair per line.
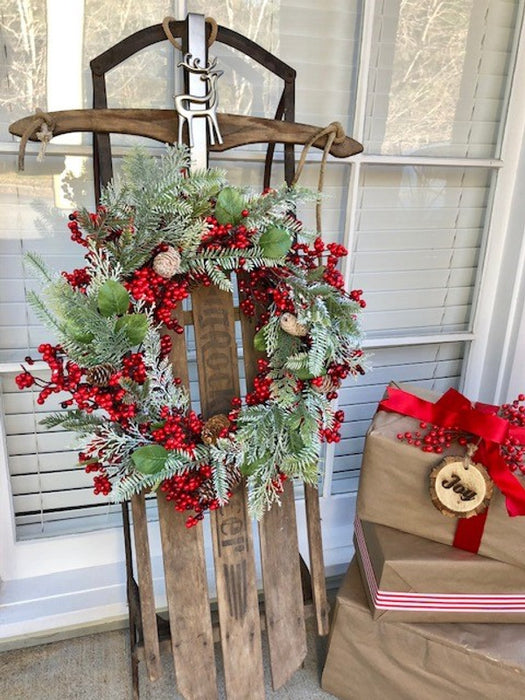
448, 602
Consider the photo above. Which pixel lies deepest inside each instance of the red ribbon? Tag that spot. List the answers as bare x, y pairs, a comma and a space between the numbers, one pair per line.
453, 410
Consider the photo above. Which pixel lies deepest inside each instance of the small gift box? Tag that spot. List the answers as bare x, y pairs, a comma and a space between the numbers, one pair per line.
409, 578
399, 487
387, 660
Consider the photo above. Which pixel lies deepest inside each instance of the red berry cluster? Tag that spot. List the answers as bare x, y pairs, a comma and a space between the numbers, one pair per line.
512, 451
101, 482
186, 492
356, 295
333, 434
161, 294
65, 375
179, 431
76, 233
226, 236
254, 289
261, 385
435, 438
514, 412
280, 295
78, 279
166, 345
24, 380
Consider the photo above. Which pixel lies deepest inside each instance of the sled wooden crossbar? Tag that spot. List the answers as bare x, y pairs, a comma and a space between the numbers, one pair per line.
290, 592
162, 125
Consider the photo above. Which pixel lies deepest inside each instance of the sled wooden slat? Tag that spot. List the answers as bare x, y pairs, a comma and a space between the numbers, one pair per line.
145, 581
235, 577
186, 579
188, 604
315, 547
283, 595
280, 561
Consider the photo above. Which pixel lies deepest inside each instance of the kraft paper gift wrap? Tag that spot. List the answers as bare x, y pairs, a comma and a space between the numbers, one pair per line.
409, 578
384, 660
394, 490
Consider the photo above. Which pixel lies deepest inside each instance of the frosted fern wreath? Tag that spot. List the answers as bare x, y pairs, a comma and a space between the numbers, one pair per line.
158, 233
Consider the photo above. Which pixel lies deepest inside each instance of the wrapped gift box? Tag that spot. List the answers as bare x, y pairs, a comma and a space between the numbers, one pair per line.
394, 491
384, 660
409, 578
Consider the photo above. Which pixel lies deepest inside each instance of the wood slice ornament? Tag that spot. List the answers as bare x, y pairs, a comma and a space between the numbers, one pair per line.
459, 487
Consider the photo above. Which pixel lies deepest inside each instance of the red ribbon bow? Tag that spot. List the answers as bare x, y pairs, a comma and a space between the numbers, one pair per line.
453, 410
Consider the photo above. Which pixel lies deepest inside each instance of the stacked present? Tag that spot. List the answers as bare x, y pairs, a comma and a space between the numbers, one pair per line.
439, 538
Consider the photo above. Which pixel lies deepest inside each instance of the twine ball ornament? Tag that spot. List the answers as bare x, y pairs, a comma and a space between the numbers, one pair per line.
291, 325
167, 263
99, 375
213, 428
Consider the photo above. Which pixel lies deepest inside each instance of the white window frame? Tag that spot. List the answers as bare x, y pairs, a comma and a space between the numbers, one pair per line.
79, 579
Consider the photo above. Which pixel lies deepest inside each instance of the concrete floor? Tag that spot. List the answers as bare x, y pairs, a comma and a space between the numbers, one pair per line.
96, 667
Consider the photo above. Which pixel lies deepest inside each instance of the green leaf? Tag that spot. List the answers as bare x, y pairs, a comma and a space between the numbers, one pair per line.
149, 459
296, 443
113, 298
259, 340
81, 336
317, 273
229, 206
135, 326
249, 468
275, 242
304, 373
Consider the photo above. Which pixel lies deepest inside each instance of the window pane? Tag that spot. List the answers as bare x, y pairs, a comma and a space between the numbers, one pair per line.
436, 367
22, 60
319, 42
417, 247
35, 206
437, 77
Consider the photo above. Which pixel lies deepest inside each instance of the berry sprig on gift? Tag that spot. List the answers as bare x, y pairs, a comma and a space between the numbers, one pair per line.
435, 438
159, 233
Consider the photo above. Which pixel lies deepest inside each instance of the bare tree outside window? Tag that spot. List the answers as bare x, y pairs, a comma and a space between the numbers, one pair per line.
22, 59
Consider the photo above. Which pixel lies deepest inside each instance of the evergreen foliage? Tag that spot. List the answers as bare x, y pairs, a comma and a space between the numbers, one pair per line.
130, 429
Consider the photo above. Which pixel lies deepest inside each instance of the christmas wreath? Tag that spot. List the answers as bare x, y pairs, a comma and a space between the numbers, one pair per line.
159, 232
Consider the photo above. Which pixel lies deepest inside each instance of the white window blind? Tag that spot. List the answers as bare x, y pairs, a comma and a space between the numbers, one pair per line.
417, 246
438, 75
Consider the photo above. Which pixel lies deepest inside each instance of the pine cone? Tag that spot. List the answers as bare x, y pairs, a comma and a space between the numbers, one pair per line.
213, 427
99, 375
206, 492
291, 325
167, 264
233, 478
326, 386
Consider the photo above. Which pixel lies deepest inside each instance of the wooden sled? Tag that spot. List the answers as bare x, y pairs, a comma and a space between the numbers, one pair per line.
290, 590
